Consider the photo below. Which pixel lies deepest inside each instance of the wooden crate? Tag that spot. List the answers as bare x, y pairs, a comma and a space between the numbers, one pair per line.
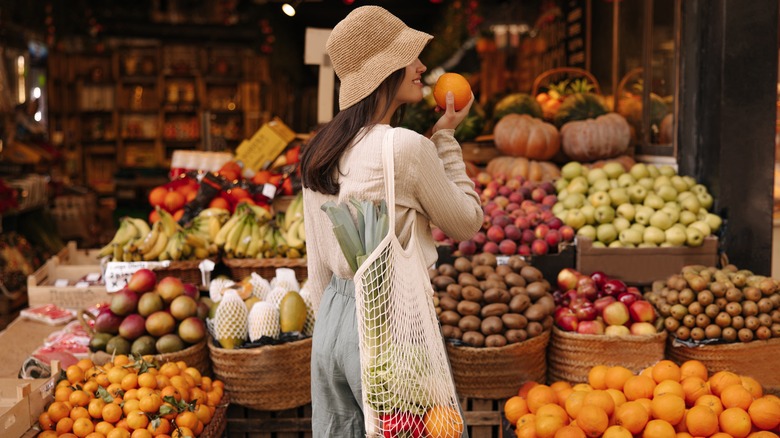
484, 418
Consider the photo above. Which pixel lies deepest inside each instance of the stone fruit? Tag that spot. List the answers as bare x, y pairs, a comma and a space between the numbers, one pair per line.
616, 314
182, 307
107, 322
292, 312
144, 345
160, 323
169, 288
191, 290
117, 345
99, 341
143, 280
192, 330
132, 327
149, 303
169, 343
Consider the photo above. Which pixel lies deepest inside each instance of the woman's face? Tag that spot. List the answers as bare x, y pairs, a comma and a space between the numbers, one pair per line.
410, 90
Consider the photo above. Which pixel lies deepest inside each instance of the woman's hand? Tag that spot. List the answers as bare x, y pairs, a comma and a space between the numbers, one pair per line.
451, 118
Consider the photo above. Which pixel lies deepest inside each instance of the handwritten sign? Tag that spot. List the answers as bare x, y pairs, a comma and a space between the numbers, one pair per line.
268, 142
118, 274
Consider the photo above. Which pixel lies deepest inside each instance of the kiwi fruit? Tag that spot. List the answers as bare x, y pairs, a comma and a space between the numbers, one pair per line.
462, 264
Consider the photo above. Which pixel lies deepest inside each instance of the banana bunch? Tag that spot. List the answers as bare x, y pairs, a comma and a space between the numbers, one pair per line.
128, 237
292, 230
245, 233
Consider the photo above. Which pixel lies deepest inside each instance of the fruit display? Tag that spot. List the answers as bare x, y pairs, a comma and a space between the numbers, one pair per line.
254, 312
580, 106
664, 400
532, 170
518, 219
150, 317
552, 99
705, 304
131, 396
598, 305
647, 206
484, 304
517, 103
135, 240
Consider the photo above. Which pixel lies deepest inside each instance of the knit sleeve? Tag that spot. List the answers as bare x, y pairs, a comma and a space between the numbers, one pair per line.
441, 186
318, 271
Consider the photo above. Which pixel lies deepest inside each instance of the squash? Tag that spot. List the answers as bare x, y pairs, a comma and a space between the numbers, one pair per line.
517, 103
580, 106
524, 136
605, 136
511, 167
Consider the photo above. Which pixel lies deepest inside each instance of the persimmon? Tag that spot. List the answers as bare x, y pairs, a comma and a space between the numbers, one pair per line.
455, 83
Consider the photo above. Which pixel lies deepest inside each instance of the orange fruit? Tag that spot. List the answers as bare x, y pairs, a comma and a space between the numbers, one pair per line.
118, 433
682, 426
173, 201
439, 421
204, 414
141, 433
582, 387
666, 370
147, 380
553, 410
186, 419
602, 399
597, 377
150, 404
65, 425
763, 434
539, 396
130, 406
121, 360
526, 419
694, 387
693, 368
184, 432
764, 412
62, 394
172, 411
736, 396
219, 202
647, 372
711, 401
116, 374
45, 421
57, 411
47, 434
735, 422
130, 395
163, 427
104, 427
721, 380
83, 427
79, 398
157, 196
130, 381
102, 380
715, 435
669, 387
85, 364
79, 412
617, 376
514, 408
638, 387
111, 413
592, 420
632, 416
90, 387
74, 374
169, 369
569, 432
526, 431
701, 421
455, 83
647, 403
137, 420
753, 386
658, 429
617, 396
617, 432
668, 407
548, 425
573, 404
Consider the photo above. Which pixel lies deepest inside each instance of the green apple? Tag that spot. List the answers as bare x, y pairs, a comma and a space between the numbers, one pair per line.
691, 203
619, 196
689, 180
674, 214
601, 185
617, 244
643, 214
613, 184
639, 171
606, 233
558, 208
667, 245
646, 183
621, 224
702, 214
588, 231
653, 170
626, 180
675, 236
574, 200
694, 237
653, 235
661, 181
673, 205
636, 193
679, 183
590, 213
683, 195
578, 185
705, 199
679, 226
614, 170
596, 175
600, 198
653, 201
699, 189
574, 219
647, 245
714, 221
560, 184
661, 219
667, 170
571, 170
597, 244
626, 211
638, 227
604, 214
630, 237
562, 194
701, 226
667, 193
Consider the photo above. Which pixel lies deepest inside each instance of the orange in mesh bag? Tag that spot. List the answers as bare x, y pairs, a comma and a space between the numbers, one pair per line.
406, 380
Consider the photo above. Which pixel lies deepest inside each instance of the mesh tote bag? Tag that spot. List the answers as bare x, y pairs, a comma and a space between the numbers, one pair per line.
407, 384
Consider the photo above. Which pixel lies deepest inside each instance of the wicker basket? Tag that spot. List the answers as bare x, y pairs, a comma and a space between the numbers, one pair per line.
266, 268
758, 359
187, 271
570, 356
218, 424
196, 356
269, 378
495, 373
545, 77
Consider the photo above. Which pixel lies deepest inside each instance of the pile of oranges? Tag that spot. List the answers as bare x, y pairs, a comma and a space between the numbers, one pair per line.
131, 398
663, 401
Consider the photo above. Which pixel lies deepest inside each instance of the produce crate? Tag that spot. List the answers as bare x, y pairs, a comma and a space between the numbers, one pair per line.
42, 286
251, 423
71, 254
485, 418
23, 400
642, 266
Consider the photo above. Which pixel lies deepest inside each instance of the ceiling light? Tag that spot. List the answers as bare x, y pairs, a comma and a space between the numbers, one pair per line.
289, 9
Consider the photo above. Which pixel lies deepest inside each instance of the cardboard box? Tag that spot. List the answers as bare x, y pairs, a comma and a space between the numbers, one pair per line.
42, 287
22, 401
642, 266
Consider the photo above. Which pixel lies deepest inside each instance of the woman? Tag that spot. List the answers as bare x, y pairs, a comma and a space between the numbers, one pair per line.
375, 56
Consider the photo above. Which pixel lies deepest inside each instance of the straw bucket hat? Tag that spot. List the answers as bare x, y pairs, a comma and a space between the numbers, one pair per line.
368, 46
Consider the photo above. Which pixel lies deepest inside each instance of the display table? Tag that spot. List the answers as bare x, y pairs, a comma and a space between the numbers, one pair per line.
18, 341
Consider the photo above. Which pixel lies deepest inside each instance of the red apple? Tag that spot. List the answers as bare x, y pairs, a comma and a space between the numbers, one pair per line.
553, 238
561, 311
642, 328
522, 222
567, 233
541, 231
549, 200
586, 312
513, 233
588, 290
528, 236
567, 279
617, 330
539, 247
616, 313
480, 238
538, 194
516, 198
600, 278
614, 287
496, 233
467, 247
627, 298
507, 247
554, 223
591, 327
523, 249
642, 311
491, 247
603, 302
142, 280
567, 323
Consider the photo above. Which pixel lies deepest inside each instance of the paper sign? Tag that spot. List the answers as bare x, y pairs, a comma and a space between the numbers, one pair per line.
268, 142
61, 282
118, 274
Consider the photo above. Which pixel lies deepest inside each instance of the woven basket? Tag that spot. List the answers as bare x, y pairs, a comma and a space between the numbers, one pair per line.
218, 424
187, 271
196, 356
269, 378
546, 76
570, 356
758, 359
266, 268
498, 372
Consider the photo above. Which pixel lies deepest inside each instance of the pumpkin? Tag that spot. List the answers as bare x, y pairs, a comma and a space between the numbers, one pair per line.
511, 167
521, 135
596, 139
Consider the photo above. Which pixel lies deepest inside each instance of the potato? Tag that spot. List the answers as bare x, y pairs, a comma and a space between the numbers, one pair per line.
449, 317
469, 323
467, 279
495, 341
517, 290
548, 302
432, 273
440, 282
547, 322
491, 325
446, 302
468, 308
535, 312
454, 290
451, 332
515, 336
495, 276
534, 329
493, 295
514, 279
514, 321
482, 271
504, 270
472, 293
462, 264
490, 284
473, 338
448, 270
519, 303
489, 259
516, 263
531, 274
495, 309
536, 290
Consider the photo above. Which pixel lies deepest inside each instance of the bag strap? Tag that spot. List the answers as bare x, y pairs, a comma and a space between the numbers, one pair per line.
388, 168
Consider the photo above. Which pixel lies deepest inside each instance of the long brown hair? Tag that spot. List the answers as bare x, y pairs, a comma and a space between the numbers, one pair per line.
320, 158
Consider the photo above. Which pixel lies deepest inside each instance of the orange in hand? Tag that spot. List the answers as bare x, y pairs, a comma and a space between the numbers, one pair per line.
457, 84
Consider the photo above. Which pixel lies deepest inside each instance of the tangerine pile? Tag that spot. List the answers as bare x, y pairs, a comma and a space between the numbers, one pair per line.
131, 398
663, 401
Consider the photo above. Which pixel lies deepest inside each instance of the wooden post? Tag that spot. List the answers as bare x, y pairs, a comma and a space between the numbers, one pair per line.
315, 54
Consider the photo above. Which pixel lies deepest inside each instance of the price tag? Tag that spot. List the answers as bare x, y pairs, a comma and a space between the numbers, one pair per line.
82, 284
93, 277
118, 273
502, 260
61, 282
269, 191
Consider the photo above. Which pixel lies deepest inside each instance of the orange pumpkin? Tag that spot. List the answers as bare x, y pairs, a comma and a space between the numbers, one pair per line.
511, 167
595, 139
521, 135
